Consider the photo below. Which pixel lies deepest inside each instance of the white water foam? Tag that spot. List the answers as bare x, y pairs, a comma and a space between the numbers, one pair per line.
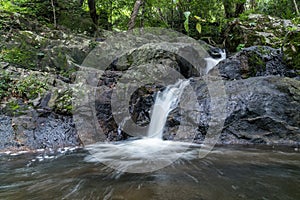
165, 102
212, 62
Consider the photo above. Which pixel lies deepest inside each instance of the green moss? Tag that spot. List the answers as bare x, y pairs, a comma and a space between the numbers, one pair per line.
256, 64
15, 107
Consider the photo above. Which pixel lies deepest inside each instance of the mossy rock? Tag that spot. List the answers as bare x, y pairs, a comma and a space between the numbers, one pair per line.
291, 50
254, 61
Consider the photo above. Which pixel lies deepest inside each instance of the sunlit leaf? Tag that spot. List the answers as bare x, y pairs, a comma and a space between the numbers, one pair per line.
186, 25
197, 17
198, 27
187, 14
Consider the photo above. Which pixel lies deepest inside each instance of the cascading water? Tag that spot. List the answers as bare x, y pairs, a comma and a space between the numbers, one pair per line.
212, 62
165, 102
152, 152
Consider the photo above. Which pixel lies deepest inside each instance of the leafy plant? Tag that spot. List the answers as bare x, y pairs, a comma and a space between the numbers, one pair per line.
12, 7
198, 25
17, 56
63, 104
186, 22
5, 82
240, 47
29, 87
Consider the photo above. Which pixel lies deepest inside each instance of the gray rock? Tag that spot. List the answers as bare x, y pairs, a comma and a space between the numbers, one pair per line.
259, 110
6, 133
254, 61
37, 131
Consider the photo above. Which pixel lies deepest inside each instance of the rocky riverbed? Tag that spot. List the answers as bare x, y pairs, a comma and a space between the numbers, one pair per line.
39, 69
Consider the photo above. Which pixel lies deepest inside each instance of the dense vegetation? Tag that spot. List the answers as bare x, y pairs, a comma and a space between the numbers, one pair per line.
39, 35
181, 15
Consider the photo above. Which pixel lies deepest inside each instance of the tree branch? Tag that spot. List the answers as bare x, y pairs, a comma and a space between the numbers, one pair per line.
134, 14
54, 13
296, 7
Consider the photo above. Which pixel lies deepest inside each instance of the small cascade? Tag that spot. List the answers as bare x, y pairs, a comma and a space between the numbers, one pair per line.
212, 62
150, 153
165, 102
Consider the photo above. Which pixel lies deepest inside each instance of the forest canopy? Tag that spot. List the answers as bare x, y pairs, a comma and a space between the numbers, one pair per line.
181, 15
222, 22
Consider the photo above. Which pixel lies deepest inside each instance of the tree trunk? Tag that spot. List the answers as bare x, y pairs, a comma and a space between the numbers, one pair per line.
134, 14
143, 13
93, 11
296, 7
252, 4
239, 9
54, 13
229, 8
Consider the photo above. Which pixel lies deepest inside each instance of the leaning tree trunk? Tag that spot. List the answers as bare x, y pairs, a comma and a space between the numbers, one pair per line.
135, 13
296, 7
54, 13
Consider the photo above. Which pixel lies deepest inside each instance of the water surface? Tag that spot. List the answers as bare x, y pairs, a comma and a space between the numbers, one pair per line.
226, 173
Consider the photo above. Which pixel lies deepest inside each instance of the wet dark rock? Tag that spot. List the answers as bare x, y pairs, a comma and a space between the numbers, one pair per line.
6, 133
263, 110
36, 131
254, 61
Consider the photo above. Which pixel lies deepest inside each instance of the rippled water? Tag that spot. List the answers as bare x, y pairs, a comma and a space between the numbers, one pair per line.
226, 173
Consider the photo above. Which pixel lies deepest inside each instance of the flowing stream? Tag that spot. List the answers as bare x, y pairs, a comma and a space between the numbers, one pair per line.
226, 173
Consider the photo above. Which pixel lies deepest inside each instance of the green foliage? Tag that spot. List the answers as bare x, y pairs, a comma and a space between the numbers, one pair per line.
15, 107
186, 22
63, 103
5, 82
279, 8
17, 56
292, 50
29, 87
240, 47
9, 6
36, 9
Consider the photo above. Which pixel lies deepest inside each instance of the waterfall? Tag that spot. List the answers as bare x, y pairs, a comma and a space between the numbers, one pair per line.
165, 102
212, 62
168, 100
150, 153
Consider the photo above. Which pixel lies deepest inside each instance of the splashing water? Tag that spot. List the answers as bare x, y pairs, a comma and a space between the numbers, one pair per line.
149, 153
165, 102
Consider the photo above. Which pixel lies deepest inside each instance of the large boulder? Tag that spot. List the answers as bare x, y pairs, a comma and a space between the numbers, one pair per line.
37, 130
262, 110
252, 62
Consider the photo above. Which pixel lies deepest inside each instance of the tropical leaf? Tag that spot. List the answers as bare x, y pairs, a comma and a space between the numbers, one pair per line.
199, 27
186, 22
